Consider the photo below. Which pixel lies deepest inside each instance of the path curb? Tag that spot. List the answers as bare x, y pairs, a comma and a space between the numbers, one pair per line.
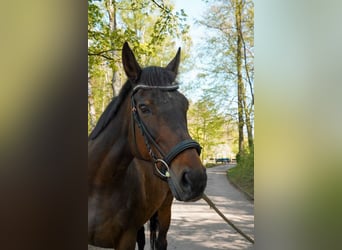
248, 195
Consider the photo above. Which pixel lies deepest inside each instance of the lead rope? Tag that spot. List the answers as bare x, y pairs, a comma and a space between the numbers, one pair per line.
212, 205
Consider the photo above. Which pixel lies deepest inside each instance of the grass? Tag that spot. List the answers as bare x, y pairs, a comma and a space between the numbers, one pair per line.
211, 165
243, 174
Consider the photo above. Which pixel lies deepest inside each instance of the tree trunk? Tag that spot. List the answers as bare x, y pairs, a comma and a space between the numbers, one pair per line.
91, 106
241, 87
246, 110
249, 126
111, 9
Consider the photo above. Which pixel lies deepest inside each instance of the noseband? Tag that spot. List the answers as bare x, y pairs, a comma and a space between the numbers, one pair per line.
166, 160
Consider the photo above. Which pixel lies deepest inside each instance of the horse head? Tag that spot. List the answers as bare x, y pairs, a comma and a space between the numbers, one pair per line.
158, 129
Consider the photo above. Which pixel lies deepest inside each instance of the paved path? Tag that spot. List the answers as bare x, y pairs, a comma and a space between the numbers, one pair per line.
195, 226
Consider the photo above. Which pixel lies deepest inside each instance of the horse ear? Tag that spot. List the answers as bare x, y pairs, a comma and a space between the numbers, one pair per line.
130, 64
173, 65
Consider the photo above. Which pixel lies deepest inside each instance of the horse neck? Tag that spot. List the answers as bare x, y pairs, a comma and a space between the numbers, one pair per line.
109, 154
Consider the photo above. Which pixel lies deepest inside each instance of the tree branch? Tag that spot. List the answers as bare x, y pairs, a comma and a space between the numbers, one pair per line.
246, 68
102, 54
162, 7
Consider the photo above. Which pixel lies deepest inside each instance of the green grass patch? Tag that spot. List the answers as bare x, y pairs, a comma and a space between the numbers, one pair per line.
243, 174
211, 165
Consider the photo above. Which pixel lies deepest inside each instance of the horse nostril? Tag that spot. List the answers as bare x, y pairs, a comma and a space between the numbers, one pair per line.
186, 181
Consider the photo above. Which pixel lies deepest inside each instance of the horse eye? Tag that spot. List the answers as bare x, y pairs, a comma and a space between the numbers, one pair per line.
144, 108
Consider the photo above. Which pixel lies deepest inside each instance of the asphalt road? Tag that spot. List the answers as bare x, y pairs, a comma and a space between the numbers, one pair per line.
195, 226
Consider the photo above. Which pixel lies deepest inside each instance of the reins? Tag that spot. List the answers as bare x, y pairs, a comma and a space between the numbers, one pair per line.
212, 205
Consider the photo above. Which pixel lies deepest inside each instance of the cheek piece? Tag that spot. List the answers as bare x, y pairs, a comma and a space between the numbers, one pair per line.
161, 164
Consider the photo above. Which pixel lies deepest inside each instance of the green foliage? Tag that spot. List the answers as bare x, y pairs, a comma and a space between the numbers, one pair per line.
150, 27
243, 174
210, 165
229, 81
146, 25
238, 156
206, 125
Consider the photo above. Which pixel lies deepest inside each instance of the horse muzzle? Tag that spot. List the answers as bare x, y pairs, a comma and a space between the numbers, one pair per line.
189, 185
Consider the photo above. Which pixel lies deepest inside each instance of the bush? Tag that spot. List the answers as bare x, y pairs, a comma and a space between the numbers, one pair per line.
243, 174
237, 157
210, 165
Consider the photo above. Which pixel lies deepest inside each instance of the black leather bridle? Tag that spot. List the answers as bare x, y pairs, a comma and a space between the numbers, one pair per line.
164, 172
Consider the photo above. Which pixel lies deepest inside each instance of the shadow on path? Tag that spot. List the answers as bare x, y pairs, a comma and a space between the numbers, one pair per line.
195, 226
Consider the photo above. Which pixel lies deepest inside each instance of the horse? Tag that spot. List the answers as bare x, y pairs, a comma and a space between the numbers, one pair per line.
140, 157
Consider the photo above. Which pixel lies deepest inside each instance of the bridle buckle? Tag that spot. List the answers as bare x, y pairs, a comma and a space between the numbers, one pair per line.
167, 173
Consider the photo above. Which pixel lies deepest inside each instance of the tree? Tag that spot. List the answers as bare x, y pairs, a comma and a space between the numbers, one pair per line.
229, 45
206, 125
150, 27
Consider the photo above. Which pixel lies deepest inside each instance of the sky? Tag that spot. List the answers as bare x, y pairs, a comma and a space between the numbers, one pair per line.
194, 9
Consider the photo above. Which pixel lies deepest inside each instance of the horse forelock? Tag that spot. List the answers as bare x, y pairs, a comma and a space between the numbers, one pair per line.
156, 76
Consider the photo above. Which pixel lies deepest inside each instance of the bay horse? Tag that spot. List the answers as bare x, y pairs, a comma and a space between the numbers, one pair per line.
140, 156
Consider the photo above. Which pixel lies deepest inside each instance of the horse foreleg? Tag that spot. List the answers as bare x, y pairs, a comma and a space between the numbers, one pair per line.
127, 240
164, 219
153, 230
141, 238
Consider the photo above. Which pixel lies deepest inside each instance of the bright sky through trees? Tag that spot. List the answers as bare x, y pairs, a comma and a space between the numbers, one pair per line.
194, 10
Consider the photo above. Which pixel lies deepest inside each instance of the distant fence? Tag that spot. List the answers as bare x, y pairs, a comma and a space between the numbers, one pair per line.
223, 160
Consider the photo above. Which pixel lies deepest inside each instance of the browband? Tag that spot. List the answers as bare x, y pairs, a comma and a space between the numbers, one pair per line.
166, 88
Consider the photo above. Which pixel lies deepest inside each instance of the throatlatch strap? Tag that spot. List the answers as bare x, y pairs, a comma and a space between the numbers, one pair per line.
180, 147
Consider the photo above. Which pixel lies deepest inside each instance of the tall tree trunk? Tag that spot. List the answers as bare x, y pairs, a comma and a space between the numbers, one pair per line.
247, 110
91, 106
241, 87
111, 10
248, 125
249, 81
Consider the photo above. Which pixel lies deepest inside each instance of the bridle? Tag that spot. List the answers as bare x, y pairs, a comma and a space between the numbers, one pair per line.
164, 173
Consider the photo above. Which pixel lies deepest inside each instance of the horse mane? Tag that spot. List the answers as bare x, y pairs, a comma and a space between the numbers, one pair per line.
153, 76
110, 111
